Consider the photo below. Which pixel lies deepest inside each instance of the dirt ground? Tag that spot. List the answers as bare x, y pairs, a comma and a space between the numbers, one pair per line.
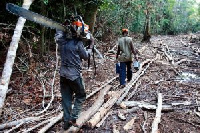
176, 78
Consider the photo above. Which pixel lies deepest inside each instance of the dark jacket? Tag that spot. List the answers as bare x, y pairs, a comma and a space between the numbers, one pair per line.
72, 52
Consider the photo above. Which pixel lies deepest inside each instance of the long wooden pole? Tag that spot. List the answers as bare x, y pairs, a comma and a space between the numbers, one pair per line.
7, 71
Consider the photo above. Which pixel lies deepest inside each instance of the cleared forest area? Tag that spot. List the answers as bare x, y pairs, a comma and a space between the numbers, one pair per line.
162, 97
169, 68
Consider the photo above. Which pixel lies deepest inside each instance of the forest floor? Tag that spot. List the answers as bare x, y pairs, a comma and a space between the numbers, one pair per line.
171, 68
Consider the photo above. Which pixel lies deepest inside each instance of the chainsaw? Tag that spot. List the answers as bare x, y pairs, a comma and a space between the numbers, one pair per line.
75, 22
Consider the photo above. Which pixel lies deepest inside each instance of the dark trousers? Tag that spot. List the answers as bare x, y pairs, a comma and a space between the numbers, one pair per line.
125, 73
68, 89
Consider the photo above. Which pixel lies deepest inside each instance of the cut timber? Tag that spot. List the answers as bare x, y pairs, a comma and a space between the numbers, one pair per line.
86, 115
158, 115
17, 122
104, 109
129, 125
146, 105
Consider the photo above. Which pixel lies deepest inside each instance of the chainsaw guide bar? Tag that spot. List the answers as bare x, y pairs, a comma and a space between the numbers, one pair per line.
35, 17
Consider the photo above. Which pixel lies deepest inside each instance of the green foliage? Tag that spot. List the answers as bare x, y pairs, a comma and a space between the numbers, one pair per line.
46, 2
167, 16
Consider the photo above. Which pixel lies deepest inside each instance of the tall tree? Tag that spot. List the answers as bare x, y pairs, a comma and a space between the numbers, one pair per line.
7, 71
43, 29
146, 34
90, 14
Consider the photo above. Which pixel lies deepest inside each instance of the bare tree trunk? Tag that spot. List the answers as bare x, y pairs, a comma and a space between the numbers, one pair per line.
147, 36
43, 31
7, 71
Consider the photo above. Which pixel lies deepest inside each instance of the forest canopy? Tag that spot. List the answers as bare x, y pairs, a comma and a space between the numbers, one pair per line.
105, 17
166, 16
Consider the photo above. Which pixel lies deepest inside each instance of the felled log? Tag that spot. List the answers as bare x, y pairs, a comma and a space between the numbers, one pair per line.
158, 115
17, 122
104, 109
146, 105
86, 115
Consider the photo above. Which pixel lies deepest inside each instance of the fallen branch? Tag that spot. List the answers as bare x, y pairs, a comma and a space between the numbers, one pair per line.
38, 125
179, 62
97, 51
52, 85
14, 123
158, 115
145, 121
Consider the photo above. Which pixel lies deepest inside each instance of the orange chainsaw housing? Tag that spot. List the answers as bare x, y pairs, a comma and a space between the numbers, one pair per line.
79, 24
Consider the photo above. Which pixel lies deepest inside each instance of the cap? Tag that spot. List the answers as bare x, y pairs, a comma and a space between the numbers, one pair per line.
124, 30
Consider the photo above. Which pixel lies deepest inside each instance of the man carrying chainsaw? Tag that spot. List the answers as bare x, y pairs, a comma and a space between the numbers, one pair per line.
125, 57
72, 52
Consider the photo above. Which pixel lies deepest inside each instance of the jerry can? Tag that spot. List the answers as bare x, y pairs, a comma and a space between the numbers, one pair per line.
136, 65
117, 67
